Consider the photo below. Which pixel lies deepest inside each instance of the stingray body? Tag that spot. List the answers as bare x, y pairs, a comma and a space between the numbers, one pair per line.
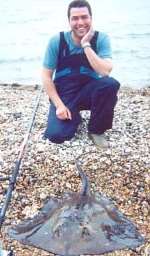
78, 223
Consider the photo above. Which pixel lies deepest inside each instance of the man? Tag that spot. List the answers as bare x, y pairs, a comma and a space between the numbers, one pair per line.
81, 59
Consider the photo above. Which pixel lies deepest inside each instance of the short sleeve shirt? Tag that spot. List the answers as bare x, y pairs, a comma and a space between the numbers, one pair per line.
52, 50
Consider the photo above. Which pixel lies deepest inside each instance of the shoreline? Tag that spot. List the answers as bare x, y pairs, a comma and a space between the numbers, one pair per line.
36, 86
122, 172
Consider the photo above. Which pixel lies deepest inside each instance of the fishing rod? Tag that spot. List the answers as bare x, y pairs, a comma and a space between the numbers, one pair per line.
13, 178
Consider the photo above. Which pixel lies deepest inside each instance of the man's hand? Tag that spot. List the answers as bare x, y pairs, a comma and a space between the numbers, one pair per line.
87, 38
63, 113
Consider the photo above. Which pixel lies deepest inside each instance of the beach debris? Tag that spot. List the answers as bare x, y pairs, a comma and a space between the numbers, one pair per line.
78, 223
4, 252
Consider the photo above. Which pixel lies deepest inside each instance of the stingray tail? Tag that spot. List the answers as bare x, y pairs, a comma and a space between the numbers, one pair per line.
84, 179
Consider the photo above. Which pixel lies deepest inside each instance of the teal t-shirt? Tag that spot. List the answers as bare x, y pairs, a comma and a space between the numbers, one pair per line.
51, 54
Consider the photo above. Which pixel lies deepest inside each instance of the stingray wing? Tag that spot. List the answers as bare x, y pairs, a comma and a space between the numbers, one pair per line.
97, 227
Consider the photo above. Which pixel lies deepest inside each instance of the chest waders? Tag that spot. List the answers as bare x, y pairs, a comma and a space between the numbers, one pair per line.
73, 71
80, 87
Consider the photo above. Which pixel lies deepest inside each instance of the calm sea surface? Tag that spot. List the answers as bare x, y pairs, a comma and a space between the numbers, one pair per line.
25, 28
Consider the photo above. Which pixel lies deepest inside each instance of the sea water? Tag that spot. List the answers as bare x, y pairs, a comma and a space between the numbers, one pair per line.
26, 26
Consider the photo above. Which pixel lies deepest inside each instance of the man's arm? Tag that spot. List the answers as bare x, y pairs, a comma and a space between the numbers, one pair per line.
100, 65
62, 112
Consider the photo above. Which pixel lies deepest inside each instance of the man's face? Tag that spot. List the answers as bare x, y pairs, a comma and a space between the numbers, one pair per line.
80, 21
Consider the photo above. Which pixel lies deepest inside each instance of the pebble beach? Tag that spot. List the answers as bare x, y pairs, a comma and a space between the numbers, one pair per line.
122, 172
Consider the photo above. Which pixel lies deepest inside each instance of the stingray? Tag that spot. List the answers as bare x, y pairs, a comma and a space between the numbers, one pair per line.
78, 223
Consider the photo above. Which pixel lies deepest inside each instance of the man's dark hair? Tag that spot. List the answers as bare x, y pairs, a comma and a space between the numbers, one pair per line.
79, 3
